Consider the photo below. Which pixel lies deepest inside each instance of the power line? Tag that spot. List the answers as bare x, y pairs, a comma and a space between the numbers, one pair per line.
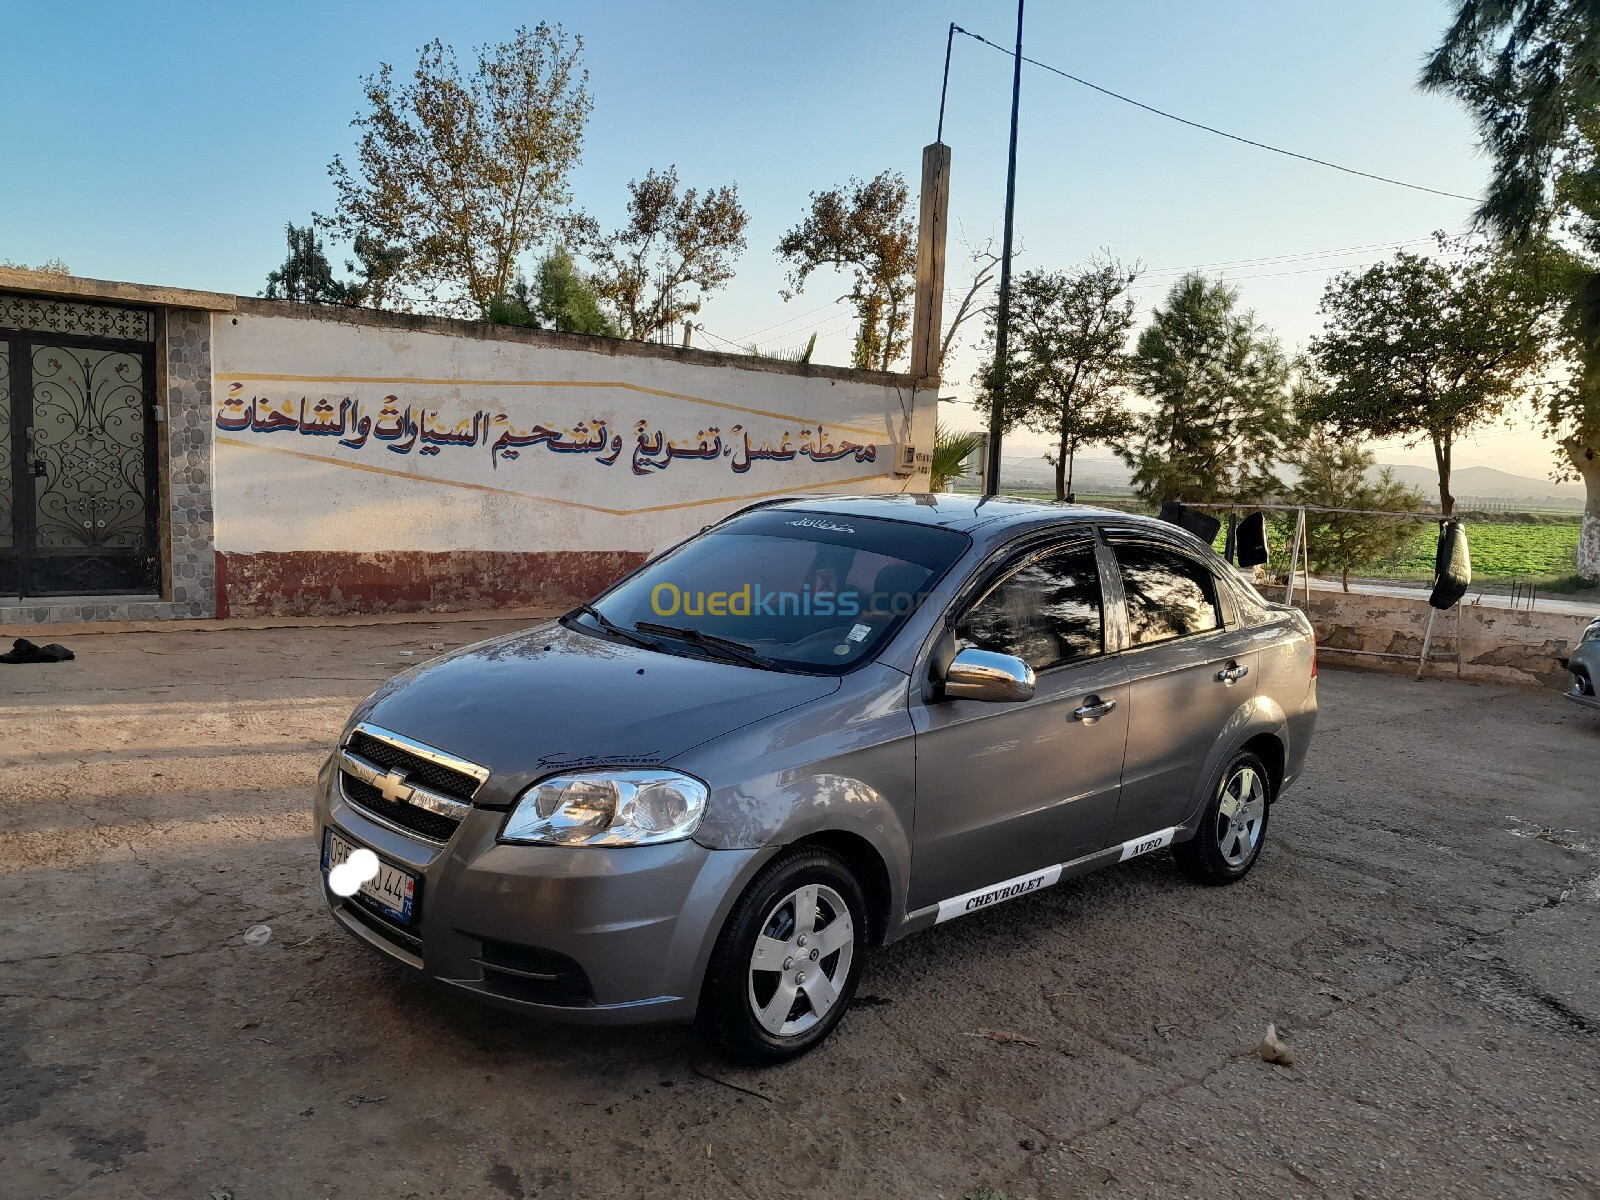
1150, 108
1278, 259
797, 317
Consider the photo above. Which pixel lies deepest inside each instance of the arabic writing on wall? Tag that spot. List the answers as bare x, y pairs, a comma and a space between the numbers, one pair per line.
414, 428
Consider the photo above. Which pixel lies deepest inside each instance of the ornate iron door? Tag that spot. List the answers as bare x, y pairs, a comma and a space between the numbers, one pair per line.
78, 469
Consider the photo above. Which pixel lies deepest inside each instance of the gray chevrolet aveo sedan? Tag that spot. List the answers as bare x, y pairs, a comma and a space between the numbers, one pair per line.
816, 727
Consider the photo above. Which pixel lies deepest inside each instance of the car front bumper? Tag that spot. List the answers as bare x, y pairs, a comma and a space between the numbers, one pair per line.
600, 935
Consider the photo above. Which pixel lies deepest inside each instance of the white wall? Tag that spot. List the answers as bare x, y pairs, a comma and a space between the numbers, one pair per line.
432, 407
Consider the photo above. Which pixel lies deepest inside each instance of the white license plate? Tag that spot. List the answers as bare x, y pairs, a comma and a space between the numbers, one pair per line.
393, 889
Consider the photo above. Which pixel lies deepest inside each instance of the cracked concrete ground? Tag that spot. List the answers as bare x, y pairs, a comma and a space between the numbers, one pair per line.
1424, 928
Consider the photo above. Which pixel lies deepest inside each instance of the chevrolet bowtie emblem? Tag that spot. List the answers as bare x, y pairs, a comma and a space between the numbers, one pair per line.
394, 787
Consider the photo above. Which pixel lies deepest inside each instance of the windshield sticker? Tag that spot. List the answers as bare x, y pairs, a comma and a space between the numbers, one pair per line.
823, 524
859, 633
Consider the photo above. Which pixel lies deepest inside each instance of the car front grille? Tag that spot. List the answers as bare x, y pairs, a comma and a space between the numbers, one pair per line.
433, 826
406, 785
368, 912
429, 772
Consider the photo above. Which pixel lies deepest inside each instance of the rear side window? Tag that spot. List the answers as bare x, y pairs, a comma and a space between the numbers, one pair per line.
1169, 595
1046, 612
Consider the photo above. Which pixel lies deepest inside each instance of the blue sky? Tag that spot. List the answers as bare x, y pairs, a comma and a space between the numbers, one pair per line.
168, 143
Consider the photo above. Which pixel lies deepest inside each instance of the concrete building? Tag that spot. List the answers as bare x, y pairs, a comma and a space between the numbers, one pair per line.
168, 453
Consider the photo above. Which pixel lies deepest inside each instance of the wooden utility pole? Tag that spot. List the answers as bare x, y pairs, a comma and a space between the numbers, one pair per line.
928, 315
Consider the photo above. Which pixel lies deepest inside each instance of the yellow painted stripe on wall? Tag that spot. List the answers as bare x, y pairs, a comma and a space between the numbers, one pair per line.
386, 380
483, 487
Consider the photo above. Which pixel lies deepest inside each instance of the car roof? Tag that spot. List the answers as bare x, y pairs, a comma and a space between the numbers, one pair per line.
953, 510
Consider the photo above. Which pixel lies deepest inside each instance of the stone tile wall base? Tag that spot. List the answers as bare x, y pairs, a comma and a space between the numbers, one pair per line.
327, 583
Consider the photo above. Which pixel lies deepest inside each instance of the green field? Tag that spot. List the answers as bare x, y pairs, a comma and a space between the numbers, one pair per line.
1500, 550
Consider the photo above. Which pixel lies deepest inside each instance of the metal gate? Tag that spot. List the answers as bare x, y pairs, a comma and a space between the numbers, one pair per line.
78, 469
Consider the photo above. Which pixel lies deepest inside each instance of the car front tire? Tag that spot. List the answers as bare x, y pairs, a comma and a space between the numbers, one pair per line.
788, 960
1233, 827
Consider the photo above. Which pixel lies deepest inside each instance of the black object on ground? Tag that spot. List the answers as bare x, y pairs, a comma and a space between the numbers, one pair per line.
24, 651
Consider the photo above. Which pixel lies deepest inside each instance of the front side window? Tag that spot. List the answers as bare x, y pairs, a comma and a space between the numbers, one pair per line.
1169, 595
1046, 613
809, 591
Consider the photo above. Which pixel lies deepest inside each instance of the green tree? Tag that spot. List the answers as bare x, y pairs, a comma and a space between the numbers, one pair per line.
1527, 70
1216, 381
306, 275
1337, 473
1068, 359
676, 248
567, 299
1430, 349
465, 173
865, 230
951, 450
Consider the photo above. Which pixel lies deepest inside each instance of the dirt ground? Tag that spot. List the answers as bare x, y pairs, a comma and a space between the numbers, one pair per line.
1424, 929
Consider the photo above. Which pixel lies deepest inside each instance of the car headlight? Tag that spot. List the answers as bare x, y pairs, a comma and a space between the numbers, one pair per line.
608, 808
1591, 634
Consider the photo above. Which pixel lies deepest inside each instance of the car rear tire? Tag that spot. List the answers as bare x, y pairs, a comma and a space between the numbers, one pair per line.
1233, 827
787, 962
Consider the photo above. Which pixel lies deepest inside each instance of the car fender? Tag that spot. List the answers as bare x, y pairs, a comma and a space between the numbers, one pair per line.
774, 813
1256, 715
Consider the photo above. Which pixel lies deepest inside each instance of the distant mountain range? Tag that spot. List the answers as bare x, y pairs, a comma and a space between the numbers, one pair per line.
1468, 483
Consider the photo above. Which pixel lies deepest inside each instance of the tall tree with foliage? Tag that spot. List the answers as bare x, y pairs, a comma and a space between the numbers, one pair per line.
1529, 71
1068, 359
568, 299
465, 172
561, 297
1216, 380
1430, 349
306, 275
677, 247
1337, 473
864, 230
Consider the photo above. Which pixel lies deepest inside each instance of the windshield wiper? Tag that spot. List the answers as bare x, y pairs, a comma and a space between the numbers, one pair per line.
610, 626
726, 647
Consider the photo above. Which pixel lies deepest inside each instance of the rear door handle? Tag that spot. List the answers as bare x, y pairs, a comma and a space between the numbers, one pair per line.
1092, 710
1232, 673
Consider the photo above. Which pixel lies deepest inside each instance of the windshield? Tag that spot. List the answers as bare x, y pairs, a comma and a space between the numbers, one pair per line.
805, 591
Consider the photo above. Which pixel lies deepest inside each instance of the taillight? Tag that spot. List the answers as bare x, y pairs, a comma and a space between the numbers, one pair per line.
1313, 654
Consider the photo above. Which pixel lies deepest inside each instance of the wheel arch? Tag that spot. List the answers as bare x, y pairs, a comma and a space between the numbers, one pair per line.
870, 870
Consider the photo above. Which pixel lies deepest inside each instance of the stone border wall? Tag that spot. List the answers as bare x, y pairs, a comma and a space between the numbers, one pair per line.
1498, 645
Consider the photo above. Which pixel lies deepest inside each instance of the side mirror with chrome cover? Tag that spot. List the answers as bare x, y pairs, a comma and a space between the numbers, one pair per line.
985, 675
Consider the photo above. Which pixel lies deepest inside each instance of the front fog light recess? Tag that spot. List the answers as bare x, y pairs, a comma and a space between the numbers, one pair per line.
607, 808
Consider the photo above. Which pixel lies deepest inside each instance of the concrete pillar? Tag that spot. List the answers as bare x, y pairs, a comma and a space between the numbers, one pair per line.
927, 322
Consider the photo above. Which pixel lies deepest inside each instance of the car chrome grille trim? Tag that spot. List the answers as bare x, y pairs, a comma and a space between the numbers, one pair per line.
405, 792
416, 823
442, 773
406, 786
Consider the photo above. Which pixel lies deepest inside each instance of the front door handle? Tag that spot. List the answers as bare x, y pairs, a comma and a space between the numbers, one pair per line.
1232, 673
1092, 710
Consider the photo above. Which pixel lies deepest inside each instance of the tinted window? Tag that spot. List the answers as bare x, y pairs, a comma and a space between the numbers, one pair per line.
1046, 613
1169, 595
811, 590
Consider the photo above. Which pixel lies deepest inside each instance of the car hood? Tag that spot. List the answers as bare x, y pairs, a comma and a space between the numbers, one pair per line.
551, 698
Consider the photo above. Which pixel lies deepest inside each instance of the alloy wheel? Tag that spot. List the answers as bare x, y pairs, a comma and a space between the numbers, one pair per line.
801, 960
1241, 816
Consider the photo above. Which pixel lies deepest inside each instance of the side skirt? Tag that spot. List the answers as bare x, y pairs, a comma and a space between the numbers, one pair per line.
1035, 881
